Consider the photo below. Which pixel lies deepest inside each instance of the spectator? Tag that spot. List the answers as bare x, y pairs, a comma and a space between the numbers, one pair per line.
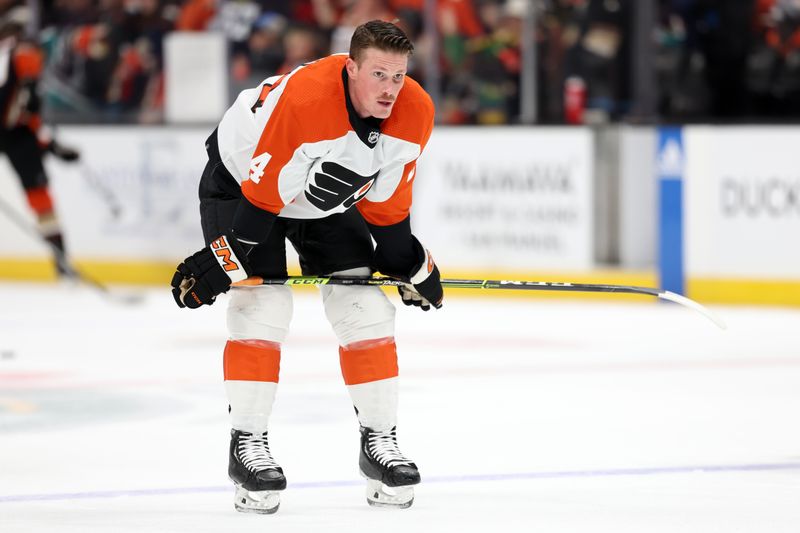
557, 32
235, 20
495, 65
357, 12
707, 76
196, 15
773, 74
136, 84
601, 57
481, 69
266, 48
301, 45
718, 59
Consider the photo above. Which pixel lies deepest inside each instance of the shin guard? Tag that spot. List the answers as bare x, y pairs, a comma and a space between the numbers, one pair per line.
251, 370
370, 372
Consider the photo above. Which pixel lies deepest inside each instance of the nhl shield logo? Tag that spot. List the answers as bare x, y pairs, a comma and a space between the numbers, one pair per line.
373, 137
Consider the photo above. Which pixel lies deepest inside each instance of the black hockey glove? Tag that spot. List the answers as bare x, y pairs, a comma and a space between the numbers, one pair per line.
64, 153
208, 273
425, 287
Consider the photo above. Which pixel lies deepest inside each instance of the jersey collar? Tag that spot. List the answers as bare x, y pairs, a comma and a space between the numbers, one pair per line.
368, 129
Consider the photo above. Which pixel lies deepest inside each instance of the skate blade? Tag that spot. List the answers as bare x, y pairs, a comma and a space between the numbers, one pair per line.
380, 495
259, 502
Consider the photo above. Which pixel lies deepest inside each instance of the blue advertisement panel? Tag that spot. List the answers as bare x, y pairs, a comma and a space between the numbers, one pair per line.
670, 166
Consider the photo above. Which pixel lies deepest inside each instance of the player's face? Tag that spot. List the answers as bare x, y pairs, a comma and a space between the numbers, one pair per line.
376, 81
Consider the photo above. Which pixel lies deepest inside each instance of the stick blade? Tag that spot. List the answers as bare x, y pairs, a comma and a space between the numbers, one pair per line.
691, 304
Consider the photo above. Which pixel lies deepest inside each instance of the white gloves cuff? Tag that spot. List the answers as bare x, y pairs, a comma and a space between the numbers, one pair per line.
425, 270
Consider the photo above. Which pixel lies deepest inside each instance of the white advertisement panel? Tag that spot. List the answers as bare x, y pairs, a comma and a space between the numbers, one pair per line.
485, 199
742, 202
132, 196
506, 198
195, 77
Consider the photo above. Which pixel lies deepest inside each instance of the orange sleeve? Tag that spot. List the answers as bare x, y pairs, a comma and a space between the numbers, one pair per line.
28, 61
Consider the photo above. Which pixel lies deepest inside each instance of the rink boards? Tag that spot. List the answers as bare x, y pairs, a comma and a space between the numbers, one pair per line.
513, 203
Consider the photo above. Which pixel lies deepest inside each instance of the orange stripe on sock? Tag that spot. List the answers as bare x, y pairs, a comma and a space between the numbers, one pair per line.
367, 361
39, 199
252, 360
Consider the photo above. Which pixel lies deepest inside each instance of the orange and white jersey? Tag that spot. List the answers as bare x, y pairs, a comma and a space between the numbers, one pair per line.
299, 150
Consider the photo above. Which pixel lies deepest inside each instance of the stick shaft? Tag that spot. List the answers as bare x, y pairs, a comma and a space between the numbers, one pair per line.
102, 190
457, 284
491, 284
19, 221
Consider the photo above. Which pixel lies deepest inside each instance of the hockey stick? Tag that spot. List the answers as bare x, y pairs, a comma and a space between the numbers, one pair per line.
493, 284
93, 181
103, 191
19, 221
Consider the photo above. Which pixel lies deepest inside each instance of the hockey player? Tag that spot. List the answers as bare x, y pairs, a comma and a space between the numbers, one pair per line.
325, 157
22, 138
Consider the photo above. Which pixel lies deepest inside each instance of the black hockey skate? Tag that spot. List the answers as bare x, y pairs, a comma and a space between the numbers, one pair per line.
257, 476
390, 476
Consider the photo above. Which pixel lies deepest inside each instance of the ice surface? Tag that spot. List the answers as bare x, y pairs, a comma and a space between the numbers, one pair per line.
523, 415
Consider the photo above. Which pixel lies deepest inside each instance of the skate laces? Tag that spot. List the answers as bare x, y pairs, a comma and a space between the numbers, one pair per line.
253, 451
382, 445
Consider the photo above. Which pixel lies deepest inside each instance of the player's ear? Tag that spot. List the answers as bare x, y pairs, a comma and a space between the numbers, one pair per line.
351, 66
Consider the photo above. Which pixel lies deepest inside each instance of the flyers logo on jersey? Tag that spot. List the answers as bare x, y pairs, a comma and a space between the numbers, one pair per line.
337, 185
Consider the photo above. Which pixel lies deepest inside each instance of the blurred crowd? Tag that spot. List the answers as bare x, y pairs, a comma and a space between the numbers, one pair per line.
711, 59
730, 60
